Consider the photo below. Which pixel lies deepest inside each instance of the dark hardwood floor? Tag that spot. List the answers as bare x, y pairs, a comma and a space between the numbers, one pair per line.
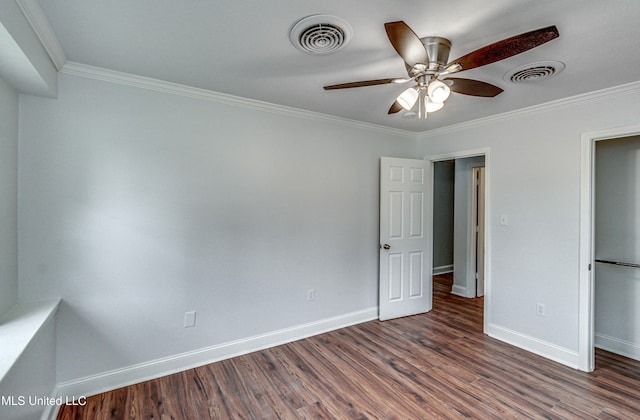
435, 365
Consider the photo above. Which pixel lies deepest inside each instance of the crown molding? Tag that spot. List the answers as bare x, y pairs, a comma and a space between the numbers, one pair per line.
43, 30
40, 25
632, 88
143, 82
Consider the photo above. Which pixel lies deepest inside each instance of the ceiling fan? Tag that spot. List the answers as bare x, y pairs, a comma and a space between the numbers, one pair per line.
426, 64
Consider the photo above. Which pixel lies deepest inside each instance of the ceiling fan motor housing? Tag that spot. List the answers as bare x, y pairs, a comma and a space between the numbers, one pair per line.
438, 49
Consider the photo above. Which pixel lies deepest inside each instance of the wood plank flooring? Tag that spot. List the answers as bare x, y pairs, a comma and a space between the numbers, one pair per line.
435, 365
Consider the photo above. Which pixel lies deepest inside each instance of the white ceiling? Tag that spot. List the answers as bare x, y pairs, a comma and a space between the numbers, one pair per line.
242, 47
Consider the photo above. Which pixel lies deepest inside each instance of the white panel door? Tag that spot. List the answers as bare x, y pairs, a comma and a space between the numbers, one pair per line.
405, 246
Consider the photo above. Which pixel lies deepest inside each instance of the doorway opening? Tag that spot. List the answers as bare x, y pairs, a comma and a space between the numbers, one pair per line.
593, 251
617, 246
460, 214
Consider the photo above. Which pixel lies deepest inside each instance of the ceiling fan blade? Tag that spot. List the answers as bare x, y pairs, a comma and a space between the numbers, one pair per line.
506, 48
473, 87
395, 108
406, 43
360, 84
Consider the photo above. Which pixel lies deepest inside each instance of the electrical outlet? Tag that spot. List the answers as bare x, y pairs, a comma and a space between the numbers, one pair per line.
311, 294
190, 319
540, 309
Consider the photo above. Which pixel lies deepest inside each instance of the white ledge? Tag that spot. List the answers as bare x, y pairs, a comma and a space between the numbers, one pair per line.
19, 326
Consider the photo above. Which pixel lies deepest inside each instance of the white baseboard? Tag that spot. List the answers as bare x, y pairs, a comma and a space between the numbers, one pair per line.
459, 290
534, 345
618, 346
443, 269
106, 381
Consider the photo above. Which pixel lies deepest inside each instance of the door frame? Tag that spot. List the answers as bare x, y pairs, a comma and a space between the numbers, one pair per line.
469, 278
486, 152
478, 199
586, 317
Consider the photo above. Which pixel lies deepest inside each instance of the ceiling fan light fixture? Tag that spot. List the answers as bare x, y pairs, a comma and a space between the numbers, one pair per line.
408, 98
427, 63
432, 106
438, 91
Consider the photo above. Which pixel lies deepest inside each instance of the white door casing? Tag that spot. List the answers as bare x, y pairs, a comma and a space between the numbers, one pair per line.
478, 227
405, 245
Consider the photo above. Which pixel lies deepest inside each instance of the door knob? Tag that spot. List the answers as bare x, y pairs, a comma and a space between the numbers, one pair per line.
386, 246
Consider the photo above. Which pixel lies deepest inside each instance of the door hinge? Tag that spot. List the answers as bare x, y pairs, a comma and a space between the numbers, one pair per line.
589, 267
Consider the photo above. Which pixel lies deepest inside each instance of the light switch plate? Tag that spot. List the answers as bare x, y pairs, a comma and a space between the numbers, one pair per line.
190, 319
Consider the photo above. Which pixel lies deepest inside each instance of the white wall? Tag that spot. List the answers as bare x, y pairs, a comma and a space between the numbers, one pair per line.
463, 270
8, 196
535, 181
138, 206
617, 238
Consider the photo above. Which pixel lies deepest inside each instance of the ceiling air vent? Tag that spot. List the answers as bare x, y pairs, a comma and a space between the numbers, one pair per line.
320, 34
534, 72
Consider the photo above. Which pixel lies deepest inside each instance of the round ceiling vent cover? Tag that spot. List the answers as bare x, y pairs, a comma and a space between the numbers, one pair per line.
534, 72
320, 34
